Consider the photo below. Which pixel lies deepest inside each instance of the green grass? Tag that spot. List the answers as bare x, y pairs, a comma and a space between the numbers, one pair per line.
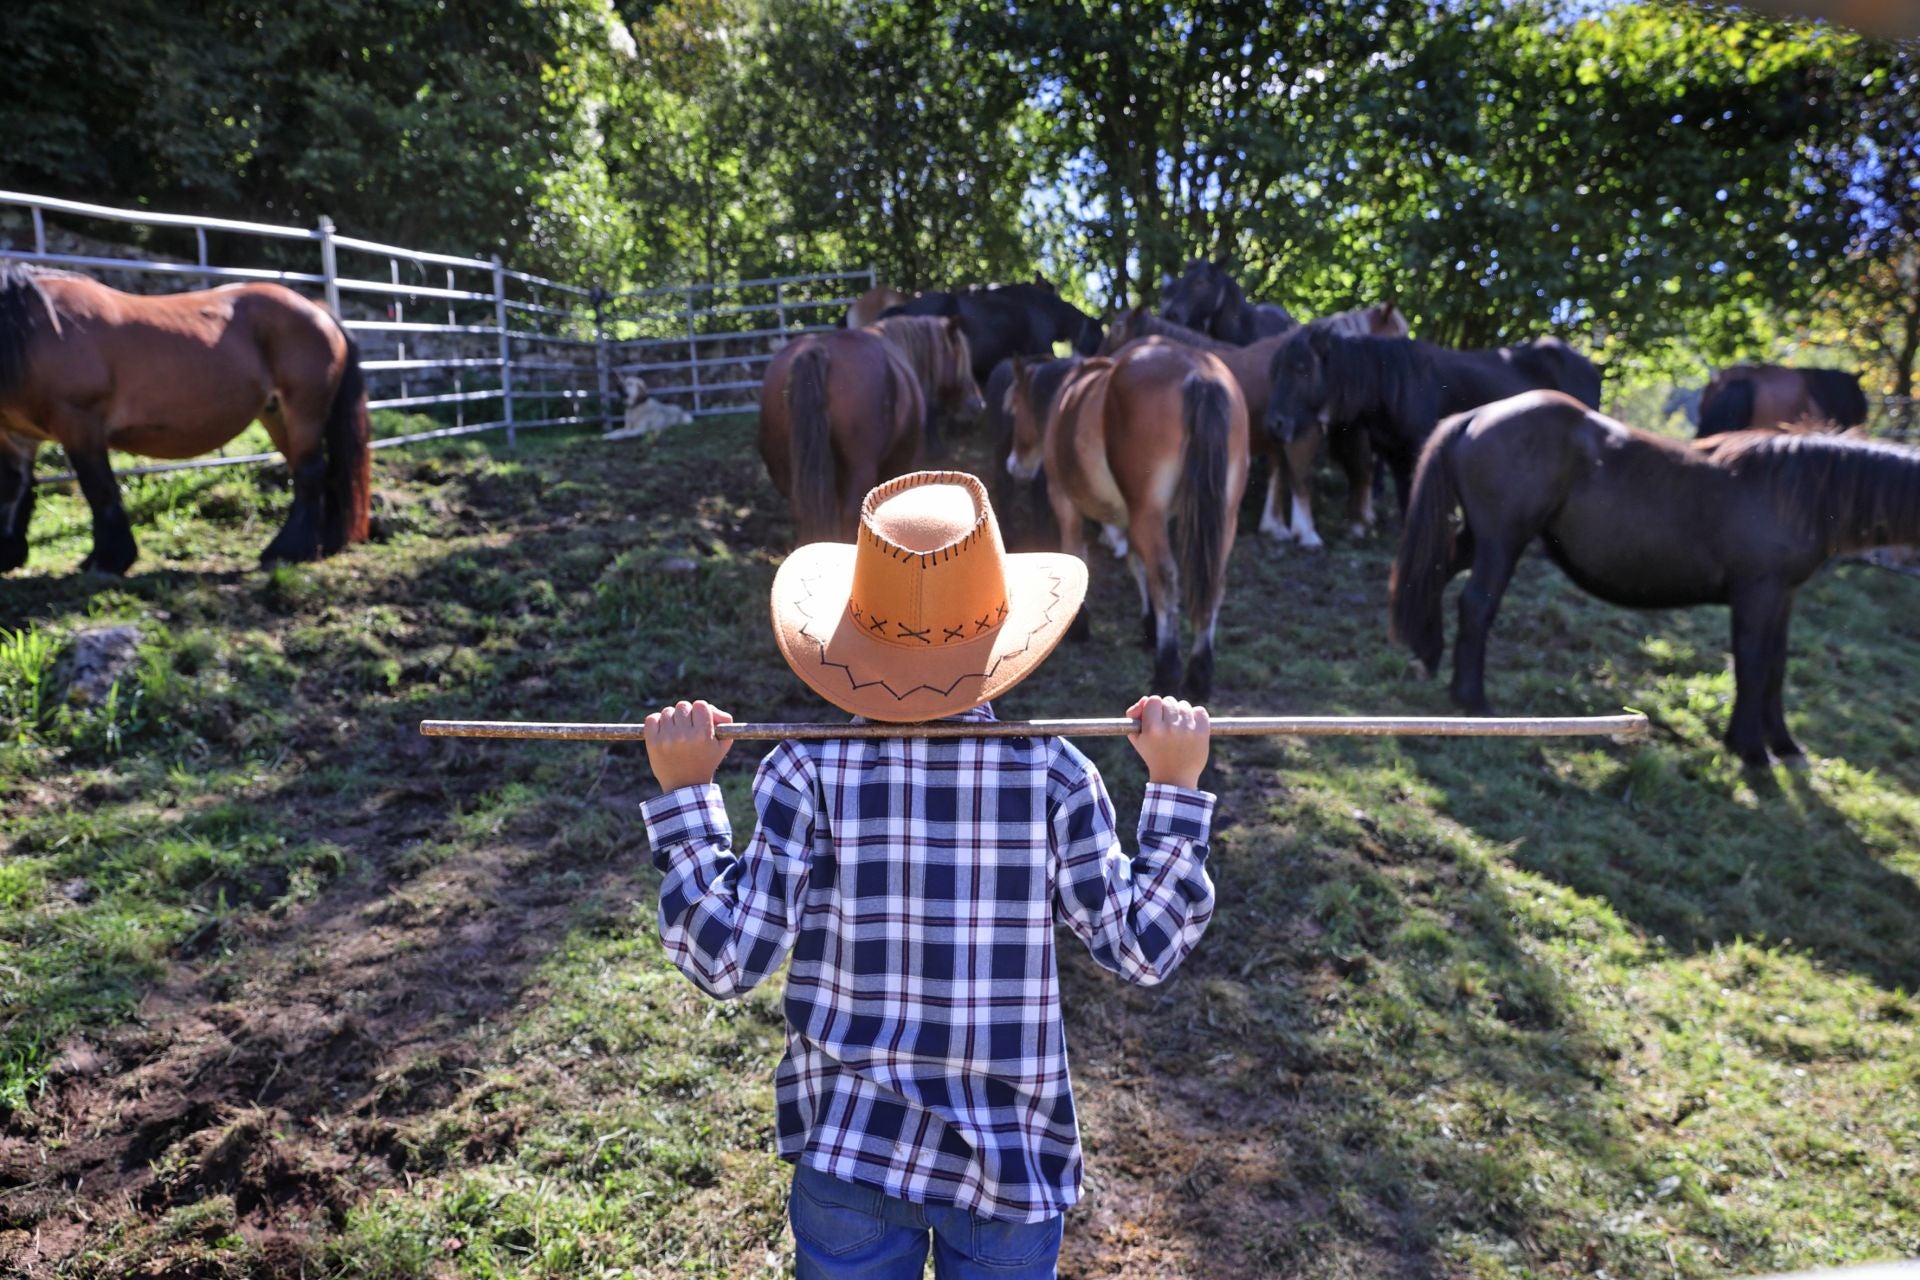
1468, 1008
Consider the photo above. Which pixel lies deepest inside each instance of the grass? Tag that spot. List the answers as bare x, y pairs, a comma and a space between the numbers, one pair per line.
1468, 1008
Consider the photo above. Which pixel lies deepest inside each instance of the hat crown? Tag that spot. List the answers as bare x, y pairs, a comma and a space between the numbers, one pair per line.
929, 568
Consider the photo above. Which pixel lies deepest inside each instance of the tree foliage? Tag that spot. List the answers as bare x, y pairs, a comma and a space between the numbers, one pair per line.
1655, 177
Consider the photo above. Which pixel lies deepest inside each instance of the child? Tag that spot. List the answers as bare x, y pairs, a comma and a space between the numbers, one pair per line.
917, 883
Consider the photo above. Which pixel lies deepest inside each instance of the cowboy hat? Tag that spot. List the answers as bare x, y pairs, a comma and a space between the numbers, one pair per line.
925, 614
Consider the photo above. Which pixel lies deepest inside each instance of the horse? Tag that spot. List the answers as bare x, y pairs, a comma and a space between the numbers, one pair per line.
173, 376
1766, 395
1010, 320
1206, 298
936, 349
1024, 512
1289, 464
1152, 441
873, 304
1399, 388
1644, 521
844, 409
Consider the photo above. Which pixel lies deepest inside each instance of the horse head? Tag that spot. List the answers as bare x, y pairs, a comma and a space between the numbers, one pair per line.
1197, 296
1023, 459
959, 392
1300, 384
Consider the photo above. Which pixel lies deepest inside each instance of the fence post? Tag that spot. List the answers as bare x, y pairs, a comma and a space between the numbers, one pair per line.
506, 344
780, 308
39, 231
599, 299
693, 351
200, 238
329, 264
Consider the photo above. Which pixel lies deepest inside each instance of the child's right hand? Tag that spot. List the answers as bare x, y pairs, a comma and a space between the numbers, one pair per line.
1173, 739
681, 746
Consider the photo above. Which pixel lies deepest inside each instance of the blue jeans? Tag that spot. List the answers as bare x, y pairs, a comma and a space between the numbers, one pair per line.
844, 1231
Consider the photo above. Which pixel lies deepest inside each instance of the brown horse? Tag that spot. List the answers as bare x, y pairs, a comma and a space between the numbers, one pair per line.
1644, 521
173, 376
1773, 395
1290, 465
873, 304
842, 410
1152, 441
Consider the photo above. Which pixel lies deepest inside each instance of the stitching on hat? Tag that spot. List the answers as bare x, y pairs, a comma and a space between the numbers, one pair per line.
1053, 603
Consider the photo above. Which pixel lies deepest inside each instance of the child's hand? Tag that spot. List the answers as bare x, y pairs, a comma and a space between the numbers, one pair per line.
681, 747
1172, 739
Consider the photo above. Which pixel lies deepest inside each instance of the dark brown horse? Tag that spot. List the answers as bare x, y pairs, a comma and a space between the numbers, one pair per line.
1208, 299
1773, 395
1009, 320
1152, 442
843, 410
1647, 522
1399, 388
174, 376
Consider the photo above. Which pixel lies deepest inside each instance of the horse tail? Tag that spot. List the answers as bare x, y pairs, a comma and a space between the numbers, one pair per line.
1201, 514
20, 292
1727, 408
1428, 553
815, 503
346, 437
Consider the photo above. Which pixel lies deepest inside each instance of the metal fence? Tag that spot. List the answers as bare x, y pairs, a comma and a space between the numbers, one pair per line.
477, 345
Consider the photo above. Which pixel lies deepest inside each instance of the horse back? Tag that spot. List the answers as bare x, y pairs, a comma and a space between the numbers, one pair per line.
1145, 419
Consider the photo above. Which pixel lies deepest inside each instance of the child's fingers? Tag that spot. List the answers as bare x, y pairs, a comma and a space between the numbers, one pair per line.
721, 717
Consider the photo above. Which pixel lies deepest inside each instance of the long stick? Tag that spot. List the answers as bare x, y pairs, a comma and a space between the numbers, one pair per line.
1631, 725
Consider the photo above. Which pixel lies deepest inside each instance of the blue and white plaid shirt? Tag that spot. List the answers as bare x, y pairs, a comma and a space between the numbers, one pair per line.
917, 884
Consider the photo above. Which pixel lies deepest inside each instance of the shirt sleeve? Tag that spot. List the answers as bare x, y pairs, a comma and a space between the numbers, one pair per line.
1138, 915
729, 921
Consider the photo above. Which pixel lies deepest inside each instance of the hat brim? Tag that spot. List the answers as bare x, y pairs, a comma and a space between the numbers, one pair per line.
883, 680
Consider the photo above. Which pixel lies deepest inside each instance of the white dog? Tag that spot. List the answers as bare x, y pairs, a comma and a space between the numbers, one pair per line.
646, 415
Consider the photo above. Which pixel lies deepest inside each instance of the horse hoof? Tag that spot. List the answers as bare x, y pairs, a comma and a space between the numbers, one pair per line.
1795, 761
105, 566
13, 554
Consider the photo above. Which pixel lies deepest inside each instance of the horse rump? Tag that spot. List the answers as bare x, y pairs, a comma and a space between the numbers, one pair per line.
346, 438
1430, 550
811, 487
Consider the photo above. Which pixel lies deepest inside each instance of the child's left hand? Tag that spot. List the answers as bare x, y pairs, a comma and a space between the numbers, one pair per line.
681, 748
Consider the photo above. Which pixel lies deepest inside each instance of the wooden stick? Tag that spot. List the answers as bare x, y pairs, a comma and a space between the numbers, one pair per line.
1629, 726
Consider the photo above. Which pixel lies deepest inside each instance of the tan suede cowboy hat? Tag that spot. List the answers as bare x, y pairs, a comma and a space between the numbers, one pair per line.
925, 614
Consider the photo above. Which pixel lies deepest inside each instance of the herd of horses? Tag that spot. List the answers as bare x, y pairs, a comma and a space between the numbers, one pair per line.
1149, 429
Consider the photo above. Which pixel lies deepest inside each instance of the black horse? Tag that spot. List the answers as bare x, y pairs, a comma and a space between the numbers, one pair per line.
1644, 521
1771, 395
1010, 320
1399, 388
1206, 298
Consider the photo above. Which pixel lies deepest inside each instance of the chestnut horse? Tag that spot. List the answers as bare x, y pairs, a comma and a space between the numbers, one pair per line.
1289, 464
173, 376
1644, 521
1152, 441
843, 410
1773, 395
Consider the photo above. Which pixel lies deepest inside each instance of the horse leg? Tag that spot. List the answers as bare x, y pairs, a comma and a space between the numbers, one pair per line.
1149, 629
113, 546
1780, 740
300, 537
1493, 563
16, 498
1271, 522
1073, 541
1759, 617
1147, 532
1299, 454
1354, 452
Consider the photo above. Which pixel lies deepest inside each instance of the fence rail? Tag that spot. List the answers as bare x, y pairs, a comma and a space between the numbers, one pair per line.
443, 333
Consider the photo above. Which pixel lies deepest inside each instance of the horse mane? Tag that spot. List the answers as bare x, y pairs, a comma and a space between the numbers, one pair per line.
925, 342
1846, 491
19, 291
1367, 372
1357, 322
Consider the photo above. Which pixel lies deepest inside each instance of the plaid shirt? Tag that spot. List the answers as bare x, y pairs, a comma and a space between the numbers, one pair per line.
917, 884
